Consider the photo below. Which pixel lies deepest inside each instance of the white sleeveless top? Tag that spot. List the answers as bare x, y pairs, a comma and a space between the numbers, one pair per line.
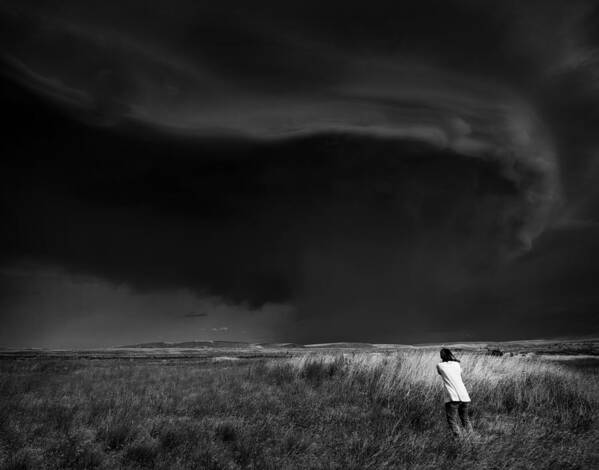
451, 372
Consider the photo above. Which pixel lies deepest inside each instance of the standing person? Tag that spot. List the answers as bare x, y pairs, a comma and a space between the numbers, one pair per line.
458, 400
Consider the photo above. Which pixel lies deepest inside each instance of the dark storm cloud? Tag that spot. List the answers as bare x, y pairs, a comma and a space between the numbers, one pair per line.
242, 72
381, 160
239, 220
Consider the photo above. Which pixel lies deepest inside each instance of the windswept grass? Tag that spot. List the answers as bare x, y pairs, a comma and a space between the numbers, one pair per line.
356, 410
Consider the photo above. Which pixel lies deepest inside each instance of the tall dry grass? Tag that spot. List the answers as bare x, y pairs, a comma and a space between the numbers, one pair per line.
501, 384
356, 410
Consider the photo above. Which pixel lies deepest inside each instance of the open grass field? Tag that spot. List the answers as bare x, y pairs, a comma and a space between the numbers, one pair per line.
323, 410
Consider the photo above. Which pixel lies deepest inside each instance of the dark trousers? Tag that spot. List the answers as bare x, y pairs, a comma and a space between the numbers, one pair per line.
453, 409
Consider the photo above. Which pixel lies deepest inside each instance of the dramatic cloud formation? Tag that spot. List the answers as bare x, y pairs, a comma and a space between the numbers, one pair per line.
388, 172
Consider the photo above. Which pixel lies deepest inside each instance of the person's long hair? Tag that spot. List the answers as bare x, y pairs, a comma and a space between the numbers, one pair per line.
447, 355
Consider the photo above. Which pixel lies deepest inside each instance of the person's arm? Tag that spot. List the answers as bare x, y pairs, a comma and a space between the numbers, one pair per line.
438, 369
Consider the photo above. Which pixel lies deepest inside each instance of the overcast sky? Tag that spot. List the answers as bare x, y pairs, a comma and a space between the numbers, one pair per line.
317, 171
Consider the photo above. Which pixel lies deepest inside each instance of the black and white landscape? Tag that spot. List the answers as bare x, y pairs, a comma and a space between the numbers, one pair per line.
236, 234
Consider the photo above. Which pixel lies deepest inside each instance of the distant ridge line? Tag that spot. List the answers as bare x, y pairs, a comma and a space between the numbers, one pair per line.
346, 344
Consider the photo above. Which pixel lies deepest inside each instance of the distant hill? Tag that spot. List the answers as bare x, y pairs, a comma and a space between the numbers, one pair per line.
281, 345
193, 345
539, 346
241, 344
341, 345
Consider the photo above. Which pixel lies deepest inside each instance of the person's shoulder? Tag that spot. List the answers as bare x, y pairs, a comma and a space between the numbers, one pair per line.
450, 364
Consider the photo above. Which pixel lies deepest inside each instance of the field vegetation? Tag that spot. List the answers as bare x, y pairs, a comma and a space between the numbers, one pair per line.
314, 411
